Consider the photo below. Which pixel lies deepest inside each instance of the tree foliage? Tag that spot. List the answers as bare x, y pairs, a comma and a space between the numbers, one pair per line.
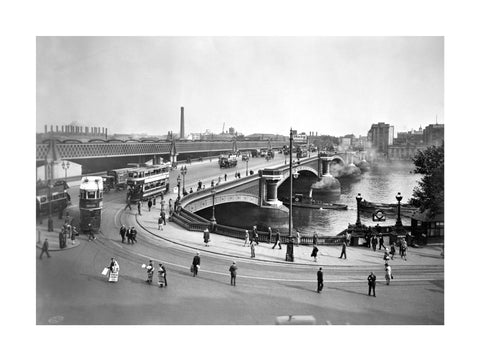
429, 194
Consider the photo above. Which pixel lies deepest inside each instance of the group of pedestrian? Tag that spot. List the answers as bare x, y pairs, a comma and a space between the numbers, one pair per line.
161, 272
238, 175
128, 233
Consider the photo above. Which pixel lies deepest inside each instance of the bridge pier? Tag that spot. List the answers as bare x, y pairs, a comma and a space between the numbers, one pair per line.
270, 179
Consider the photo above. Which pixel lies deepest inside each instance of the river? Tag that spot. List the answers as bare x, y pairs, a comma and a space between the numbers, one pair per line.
380, 184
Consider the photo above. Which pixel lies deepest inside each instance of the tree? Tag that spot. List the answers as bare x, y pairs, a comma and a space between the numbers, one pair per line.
429, 194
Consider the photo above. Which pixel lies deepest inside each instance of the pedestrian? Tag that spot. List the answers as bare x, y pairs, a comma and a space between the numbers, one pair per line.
206, 237
372, 280
386, 257
388, 273
404, 250
314, 253
225, 177
199, 185
252, 250
255, 234
128, 233
212, 184
91, 235
233, 274
277, 240
270, 235
344, 250
134, 235
150, 270
195, 264
61, 237
348, 237
392, 251
319, 280
113, 270
162, 275
128, 204
74, 234
315, 238
374, 243
191, 190
160, 223
381, 242
247, 238
298, 238
163, 217
149, 204
45, 249
139, 207
123, 231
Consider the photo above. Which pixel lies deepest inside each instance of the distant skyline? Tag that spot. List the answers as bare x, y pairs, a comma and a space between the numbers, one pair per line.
329, 85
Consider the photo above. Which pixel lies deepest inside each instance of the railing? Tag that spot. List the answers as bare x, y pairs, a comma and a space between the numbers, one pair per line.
195, 223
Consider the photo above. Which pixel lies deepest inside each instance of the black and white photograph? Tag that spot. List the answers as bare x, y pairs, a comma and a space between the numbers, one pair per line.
209, 173
305, 168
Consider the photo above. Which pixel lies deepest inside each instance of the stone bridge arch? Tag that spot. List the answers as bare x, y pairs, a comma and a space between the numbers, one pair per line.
222, 198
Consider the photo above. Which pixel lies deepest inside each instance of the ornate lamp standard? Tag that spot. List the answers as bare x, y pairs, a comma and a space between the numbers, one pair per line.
183, 171
289, 254
178, 187
399, 220
65, 166
213, 220
359, 199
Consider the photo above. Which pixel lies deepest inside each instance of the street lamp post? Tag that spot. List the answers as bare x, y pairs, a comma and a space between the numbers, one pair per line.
183, 171
50, 220
65, 166
399, 220
178, 187
213, 220
246, 171
289, 255
359, 199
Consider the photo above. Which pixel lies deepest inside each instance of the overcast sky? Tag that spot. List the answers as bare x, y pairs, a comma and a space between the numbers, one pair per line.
328, 85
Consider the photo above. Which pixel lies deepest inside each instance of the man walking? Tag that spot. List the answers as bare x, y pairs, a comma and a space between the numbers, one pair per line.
149, 204
247, 238
133, 233
128, 233
128, 204
206, 237
45, 249
162, 275
314, 253
277, 240
196, 264
344, 250
150, 270
123, 230
252, 250
233, 274
372, 280
381, 243
139, 207
255, 234
319, 280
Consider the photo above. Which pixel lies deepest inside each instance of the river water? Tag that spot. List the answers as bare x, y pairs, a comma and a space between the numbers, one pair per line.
380, 184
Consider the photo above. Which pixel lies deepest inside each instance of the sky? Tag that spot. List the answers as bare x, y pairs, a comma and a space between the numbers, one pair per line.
329, 85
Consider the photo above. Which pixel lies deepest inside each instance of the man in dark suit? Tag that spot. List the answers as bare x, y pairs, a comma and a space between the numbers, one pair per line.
196, 264
372, 281
344, 250
319, 280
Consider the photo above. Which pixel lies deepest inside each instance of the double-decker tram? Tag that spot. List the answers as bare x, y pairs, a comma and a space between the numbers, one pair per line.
147, 182
91, 196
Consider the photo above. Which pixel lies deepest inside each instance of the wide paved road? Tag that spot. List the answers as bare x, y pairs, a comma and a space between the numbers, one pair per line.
71, 290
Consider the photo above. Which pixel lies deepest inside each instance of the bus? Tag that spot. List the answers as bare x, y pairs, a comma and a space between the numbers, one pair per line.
91, 202
57, 201
150, 181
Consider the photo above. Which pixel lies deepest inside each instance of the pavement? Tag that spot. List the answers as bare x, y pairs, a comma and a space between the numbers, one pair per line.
234, 247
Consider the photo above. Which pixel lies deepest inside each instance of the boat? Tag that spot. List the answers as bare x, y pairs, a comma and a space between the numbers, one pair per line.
388, 208
305, 202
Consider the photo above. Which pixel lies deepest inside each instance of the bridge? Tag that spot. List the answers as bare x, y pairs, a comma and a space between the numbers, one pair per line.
261, 188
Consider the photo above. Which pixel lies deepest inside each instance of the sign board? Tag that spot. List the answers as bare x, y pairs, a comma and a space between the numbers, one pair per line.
378, 216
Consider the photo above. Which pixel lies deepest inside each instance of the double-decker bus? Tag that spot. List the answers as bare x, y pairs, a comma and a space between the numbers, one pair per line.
55, 201
91, 196
147, 182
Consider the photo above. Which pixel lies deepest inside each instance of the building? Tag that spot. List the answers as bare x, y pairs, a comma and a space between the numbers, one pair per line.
381, 136
427, 227
434, 134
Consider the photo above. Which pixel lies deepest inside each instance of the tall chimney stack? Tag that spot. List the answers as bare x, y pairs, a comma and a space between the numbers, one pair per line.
182, 124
